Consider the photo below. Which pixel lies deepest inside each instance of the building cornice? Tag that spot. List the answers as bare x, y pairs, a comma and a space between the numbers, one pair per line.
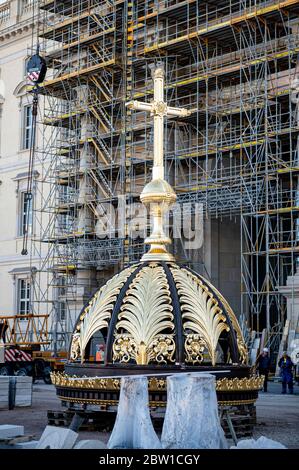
14, 31
9, 166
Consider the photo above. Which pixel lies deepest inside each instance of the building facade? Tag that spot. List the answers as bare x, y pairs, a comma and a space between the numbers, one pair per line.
233, 162
17, 28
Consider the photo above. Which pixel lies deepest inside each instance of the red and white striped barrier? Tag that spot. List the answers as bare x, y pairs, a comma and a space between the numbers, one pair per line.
16, 355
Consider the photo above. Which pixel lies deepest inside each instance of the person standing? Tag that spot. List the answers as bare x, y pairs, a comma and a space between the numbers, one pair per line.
263, 366
100, 353
286, 371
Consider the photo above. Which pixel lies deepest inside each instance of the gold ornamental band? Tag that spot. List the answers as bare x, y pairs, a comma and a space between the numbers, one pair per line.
155, 384
152, 404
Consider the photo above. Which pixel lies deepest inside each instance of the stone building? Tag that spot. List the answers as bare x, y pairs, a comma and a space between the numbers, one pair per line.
16, 38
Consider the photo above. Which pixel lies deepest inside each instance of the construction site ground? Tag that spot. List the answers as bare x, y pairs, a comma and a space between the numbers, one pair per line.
277, 415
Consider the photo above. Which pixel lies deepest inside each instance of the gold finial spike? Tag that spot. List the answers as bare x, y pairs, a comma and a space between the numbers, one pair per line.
158, 194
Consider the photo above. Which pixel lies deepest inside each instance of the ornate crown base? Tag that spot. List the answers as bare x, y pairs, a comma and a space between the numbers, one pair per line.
104, 391
155, 384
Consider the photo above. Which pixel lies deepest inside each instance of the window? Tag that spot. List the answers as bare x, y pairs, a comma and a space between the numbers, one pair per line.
25, 66
23, 297
61, 311
61, 304
65, 223
26, 127
25, 214
61, 281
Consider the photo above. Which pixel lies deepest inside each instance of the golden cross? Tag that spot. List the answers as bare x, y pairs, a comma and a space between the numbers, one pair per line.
158, 194
159, 109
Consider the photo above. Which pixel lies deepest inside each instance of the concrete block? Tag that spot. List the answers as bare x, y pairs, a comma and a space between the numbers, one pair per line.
261, 443
133, 428
10, 430
25, 403
23, 395
26, 445
191, 417
90, 444
24, 379
24, 386
3, 379
4, 405
57, 438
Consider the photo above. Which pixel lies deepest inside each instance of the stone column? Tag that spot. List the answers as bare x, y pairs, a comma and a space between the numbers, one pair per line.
133, 427
1, 105
291, 292
191, 418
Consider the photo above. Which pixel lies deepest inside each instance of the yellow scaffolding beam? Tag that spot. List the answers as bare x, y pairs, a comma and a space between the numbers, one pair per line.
222, 24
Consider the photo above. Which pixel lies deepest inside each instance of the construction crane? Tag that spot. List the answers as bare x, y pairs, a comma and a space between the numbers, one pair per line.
36, 72
22, 338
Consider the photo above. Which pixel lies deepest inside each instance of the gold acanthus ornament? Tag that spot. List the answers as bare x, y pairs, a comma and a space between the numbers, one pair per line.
161, 350
200, 311
243, 352
194, 348
124, 348
146, 312
98, 313
75, 347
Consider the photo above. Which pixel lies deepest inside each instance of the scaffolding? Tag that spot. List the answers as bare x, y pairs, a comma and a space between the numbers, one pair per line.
233, 64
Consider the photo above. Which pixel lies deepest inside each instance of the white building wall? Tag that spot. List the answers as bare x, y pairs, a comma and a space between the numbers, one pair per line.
15, 43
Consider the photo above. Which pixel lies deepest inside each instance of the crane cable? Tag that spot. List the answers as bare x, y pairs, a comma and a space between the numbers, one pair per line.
36, 72
28, 201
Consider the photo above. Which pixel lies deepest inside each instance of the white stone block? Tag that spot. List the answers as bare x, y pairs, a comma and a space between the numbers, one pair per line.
10, 430
24, 379
26, 445
23, 395
91, 444
261, 443
24, 403
57, 438
3, 379
24, 385
4, 387
133, 427
191, 418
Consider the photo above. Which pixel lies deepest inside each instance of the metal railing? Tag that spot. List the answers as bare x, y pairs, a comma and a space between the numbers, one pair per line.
27, 6
4, 12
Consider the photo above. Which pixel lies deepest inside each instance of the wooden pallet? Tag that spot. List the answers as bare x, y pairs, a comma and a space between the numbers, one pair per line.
94, 421
242, 419
58, 418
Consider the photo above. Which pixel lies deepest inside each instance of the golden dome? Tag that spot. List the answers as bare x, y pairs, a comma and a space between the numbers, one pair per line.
160, 313
158, 190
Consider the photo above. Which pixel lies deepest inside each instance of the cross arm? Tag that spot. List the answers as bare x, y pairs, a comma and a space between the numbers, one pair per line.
139, 106
182, 112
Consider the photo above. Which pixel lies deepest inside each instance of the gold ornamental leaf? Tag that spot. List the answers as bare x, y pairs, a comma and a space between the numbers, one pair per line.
147, 309
200, 312
98, 312
240, 339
